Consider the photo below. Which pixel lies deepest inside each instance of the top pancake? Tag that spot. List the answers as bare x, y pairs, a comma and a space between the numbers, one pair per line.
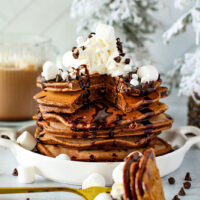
97, 80
71, 101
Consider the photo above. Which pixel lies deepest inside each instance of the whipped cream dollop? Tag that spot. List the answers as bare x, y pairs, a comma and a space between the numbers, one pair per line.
101, 52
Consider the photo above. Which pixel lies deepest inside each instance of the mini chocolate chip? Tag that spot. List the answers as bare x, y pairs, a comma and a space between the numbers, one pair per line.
75, 55
27, 198
188, 177
122, 54
187, 185
83, 48
15, 172
91, 35
58, 78
171, 180
5, 137
176, 197
73, 48
190, 134
182, 192
92, 159
127, 61
117, 59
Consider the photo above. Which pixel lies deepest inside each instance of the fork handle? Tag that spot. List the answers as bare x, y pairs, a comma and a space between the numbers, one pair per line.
12, 190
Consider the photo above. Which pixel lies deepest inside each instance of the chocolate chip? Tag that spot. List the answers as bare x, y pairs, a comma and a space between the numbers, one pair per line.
187, 185
117, 59
182, 192
27, 198
176, 197
15, 172
91, 35
188, 177
75, 55
122, 54
190, 134
92, 159
58, 78
127, 61
5, 137
83, 48
171, 180
73, 48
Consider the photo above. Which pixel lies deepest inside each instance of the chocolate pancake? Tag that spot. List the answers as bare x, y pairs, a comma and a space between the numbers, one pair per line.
121, 83
100, 155
104, 115
69, 102
148, 184
96, 143
153, 124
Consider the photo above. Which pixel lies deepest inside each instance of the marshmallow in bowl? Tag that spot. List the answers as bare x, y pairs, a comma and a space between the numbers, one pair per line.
103, 196
148, 73
27, 141
94, 179
63, 156
26, 174
117, 174
50, 70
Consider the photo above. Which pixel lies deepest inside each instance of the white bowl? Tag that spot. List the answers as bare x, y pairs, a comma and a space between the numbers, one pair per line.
75, 172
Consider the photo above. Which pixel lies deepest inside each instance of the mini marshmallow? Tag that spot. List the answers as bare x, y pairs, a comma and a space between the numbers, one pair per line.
26, 174
135, 76
134, 82
117, 174
50, 70
63, 156
148, 73
103, 196
27, 141
105, 32
117, 191
94, 179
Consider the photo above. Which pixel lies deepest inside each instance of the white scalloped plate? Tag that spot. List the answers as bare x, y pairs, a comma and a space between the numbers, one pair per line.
74, 172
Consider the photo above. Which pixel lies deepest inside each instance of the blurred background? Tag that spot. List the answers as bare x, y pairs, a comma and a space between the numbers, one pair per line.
52, 18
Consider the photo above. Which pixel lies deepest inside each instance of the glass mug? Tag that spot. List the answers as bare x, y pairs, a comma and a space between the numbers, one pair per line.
21, 60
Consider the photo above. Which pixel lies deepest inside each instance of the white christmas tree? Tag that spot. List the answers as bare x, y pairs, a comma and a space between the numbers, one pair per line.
186, 74
132, 19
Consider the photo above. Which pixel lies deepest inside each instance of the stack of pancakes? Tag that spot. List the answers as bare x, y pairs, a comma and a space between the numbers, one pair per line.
100, 118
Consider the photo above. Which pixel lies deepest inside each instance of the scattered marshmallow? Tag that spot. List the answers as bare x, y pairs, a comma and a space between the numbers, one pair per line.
134, 82
26, 174
117, 174
50, 70
27, 141
63, 156
117, 191
67, 59
148, 73
103, 196
94, 179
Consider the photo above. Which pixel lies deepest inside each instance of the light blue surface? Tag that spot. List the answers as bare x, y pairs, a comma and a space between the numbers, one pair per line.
191, 164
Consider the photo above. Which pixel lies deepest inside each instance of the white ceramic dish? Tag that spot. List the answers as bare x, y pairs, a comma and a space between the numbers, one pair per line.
73, 172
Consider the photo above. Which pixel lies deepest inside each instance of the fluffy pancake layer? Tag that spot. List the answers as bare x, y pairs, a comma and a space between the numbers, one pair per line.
102, 155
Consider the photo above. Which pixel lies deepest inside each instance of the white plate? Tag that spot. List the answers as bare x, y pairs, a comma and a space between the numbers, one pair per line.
74, 172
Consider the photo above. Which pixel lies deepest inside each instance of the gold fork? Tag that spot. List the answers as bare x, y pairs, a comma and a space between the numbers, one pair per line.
87, 194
